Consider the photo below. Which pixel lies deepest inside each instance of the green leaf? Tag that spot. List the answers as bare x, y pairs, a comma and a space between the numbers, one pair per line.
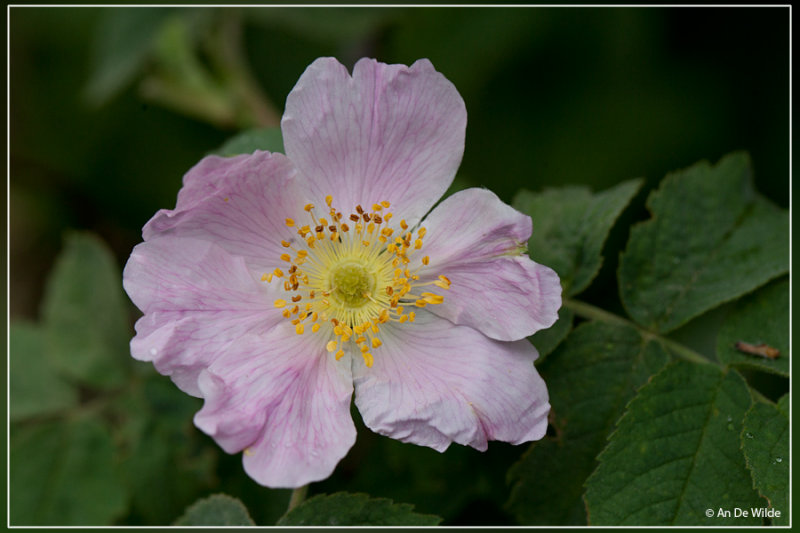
759, 318
85, 315
676, 454
570, 225
63, 473
461, 484
765, 443
343, 509
165, 461
247, 142
125, 38
591, 377
548, 339
36, 388
710, 240
216, 510
783, 404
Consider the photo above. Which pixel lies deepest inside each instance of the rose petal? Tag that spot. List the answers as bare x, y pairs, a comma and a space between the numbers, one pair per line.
241, 203
475, 240
433, 383
285, 400
389, 132
197, 299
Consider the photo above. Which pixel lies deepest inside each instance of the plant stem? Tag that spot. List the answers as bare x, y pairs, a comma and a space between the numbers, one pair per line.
298, 495
255, 108
595, 313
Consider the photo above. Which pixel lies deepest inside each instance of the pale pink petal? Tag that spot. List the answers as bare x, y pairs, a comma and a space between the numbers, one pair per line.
241, 203
389, 132
433, 383
283, 399
478, 243
197, 299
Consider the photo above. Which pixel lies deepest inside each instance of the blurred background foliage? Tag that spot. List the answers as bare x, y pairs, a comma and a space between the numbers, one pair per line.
111, 106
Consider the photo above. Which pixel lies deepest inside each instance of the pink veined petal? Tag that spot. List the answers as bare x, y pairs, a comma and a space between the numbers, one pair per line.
240, 203
433, 383
476, 241
197, 299
283, 399
389, 132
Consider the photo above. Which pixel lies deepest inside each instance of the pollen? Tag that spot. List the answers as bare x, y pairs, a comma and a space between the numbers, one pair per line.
353, 279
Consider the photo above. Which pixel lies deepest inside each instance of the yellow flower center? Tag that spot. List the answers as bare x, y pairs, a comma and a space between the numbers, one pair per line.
347, 276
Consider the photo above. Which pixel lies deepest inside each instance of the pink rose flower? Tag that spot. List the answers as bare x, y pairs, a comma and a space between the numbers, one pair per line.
281, 285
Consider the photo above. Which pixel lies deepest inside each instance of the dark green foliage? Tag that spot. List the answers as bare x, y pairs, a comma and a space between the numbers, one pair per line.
676, 453
63, 473
548, 339
570, 226
216, 510
84, 314
759, 318
711, 239
247, 142
343, 509
36, 387
591, 377
765, 443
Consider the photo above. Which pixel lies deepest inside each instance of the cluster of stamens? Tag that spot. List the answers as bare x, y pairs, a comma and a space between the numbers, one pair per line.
347, 276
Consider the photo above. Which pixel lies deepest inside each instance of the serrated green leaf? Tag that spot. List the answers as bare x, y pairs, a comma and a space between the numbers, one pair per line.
216, 510
591, 377
162, 479
85, 316
63, 473
570, 226
343, 509
710, 240
247, 142
36, 388
765, 443
759, 318
125, 37
548, 339
675, 454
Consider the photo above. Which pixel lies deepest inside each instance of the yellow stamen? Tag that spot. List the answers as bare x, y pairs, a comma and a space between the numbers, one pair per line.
350, 283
